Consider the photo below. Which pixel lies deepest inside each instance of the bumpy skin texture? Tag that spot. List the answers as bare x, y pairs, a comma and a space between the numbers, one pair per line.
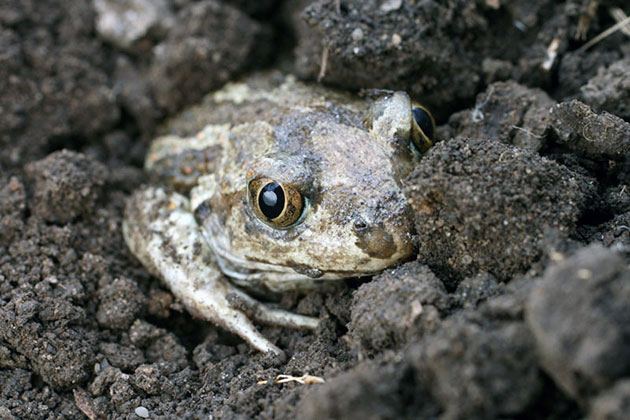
345, 156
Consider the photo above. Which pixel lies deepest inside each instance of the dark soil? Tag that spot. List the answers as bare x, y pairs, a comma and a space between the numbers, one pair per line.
517, 306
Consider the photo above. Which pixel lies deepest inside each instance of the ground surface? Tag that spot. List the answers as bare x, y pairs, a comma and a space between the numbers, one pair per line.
518, 305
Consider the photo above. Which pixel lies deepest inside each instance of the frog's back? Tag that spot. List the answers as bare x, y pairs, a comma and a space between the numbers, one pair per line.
239, 123
261, 97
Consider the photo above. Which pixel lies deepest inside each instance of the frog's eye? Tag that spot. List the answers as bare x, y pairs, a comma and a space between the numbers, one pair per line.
423, 127
277, 204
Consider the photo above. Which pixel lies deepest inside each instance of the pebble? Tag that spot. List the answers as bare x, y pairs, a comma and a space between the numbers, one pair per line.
357, 34
142, 412
396, 40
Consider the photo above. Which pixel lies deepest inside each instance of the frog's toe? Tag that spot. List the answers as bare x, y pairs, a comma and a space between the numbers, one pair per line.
238, 323
266, 315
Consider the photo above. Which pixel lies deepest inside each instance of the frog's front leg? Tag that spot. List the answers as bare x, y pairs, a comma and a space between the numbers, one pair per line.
162, 233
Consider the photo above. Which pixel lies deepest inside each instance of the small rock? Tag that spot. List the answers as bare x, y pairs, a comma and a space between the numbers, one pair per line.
396, 40
357, 34
579, 313
390, 5
142, 412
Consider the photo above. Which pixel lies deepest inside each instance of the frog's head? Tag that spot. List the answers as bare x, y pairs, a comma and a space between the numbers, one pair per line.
324, 200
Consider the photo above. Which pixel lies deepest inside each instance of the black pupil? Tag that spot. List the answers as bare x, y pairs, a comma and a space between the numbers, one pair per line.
271, 200
424, 121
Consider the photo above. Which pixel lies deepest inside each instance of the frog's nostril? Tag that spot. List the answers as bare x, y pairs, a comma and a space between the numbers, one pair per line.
374, 239
359, 224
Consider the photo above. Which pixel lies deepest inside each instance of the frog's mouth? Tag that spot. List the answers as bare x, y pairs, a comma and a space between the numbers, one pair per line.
276, 278
259, 275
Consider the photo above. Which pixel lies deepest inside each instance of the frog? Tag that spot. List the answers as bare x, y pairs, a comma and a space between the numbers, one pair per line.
271, 185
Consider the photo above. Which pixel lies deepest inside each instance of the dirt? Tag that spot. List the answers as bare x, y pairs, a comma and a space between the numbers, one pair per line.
515, 307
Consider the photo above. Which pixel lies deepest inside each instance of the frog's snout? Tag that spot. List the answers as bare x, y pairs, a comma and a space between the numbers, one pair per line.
385, 238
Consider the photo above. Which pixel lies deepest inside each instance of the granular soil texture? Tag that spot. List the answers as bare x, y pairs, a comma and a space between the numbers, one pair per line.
515, 307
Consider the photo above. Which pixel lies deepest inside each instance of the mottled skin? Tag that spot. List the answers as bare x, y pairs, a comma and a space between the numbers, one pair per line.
195, 225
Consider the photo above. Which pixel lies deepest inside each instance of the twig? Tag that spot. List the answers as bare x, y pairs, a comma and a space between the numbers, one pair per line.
528, 132
322, 68
604, 34
552, 53
304, 379
619, 15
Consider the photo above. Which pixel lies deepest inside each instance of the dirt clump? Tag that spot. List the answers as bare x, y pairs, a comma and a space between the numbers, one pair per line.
65, 185
371, 391
120, 304
12, 206
609, 90
373, 45
506, 111
180, 71
467, 221
579, 315
397, 305
479, 370
583, 131
61, 354
474, 290
395, 45
56, 89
